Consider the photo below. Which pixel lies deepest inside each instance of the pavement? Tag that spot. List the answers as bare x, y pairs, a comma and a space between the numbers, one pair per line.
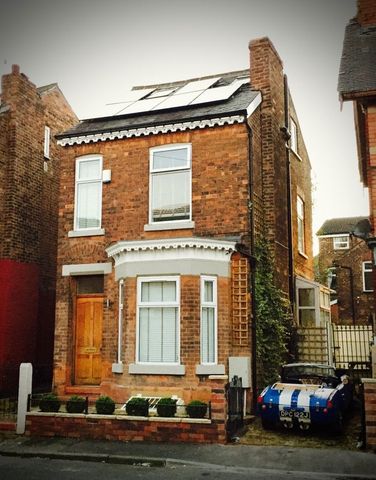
306, 460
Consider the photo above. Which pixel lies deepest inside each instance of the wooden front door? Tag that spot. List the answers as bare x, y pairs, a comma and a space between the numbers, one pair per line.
88, 361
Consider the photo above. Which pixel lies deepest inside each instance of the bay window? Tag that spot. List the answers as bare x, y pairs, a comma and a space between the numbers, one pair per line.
208, 320
158, 301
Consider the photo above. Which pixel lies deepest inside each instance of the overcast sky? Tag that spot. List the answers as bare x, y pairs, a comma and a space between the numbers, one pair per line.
97, 50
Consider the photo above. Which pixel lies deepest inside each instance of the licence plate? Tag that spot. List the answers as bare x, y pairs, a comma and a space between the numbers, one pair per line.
300, 415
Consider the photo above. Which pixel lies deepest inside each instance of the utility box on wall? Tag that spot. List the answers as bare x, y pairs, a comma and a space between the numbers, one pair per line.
241, 367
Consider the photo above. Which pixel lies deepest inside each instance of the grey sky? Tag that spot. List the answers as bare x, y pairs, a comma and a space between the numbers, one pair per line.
97, 50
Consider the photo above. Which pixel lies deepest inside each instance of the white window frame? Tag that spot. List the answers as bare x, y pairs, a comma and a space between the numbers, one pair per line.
47, 139
364, 271
341, 242
176, 304
300, 220
79, 160
293, 135
188, 167
204, 304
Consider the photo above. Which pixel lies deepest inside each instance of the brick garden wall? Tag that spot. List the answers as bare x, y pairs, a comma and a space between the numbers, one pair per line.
136, 429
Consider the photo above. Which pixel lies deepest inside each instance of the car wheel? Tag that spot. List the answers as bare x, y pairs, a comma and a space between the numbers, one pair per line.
338, 425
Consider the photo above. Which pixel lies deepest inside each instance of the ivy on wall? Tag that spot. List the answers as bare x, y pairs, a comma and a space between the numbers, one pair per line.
274, 326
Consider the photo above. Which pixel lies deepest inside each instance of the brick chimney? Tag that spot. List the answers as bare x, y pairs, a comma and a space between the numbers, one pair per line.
366, 12
266, 75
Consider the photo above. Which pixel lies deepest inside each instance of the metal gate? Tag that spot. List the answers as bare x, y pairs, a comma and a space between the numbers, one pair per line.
235, 406
352, 348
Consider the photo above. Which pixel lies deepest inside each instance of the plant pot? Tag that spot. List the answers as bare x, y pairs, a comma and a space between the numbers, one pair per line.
137, 410
166, 410
49, 403
197, 411
105, 406
75, 406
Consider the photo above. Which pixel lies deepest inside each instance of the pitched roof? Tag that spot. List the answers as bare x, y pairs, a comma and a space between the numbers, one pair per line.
357, 71
236, 104
339, 225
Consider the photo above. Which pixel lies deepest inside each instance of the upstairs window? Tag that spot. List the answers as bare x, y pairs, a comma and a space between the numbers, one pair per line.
341, 242
367, 277
294, 136
208, 320
170, 184
88, 202
47, 138
301, 220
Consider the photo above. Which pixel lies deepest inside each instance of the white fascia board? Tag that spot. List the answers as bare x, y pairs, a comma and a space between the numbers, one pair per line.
254, 104
170, 244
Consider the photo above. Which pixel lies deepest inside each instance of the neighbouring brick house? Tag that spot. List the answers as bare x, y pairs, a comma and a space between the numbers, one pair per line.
29, 182
160, 206
357, 83
345, 263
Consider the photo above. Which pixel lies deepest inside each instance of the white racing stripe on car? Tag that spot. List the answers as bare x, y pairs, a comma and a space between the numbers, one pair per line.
303, 400
285, 398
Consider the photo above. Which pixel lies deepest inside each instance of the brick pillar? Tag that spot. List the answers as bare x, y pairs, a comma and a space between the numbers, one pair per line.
219, 404
370, 411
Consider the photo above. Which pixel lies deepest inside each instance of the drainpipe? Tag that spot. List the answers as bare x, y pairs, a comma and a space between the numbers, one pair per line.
248, 252
287, 135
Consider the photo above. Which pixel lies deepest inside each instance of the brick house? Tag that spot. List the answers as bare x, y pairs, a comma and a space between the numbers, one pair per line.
160, 205
345, 263
29, 181
357, 83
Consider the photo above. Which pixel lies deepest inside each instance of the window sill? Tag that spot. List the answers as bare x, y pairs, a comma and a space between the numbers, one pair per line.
152, 369
86, 233
210, 369
152, 227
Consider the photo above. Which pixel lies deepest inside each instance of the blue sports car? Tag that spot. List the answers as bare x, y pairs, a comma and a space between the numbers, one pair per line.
308, 394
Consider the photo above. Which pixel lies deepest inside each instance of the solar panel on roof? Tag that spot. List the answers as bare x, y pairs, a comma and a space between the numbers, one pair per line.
219, 93
143, 105
192, 93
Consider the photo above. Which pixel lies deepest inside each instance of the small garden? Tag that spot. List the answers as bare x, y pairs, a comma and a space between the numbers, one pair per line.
137, 406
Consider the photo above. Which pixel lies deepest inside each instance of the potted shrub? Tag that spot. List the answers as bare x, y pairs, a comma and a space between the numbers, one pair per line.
196, 409
137, 406
166, 407
105, 405
49, 403
76, 404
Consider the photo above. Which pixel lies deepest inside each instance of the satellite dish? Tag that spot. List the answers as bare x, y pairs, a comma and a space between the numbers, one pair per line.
362, 229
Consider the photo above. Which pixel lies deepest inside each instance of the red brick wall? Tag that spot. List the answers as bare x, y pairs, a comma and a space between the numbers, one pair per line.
28, 209
352, 258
